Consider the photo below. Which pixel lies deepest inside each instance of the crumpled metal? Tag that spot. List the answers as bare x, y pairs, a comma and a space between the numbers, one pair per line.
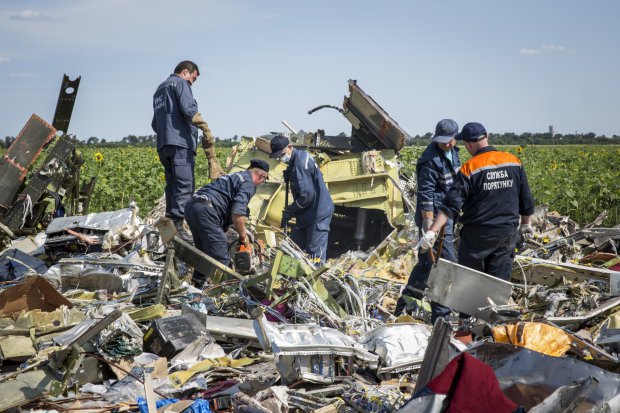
398, 345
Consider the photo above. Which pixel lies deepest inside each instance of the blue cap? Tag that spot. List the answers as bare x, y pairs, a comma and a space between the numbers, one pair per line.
260, 164
278, 143
472, 132
445, 131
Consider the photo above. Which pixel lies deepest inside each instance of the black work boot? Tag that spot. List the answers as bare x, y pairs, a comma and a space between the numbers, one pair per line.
178, 224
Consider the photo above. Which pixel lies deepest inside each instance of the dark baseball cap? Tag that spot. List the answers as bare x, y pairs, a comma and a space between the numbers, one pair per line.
260, 164
278, 143
472, 132
445, 131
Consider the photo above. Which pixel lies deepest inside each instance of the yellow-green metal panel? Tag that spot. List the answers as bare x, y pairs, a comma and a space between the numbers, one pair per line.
350, 182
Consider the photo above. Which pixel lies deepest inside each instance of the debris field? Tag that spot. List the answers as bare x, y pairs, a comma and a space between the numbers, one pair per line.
98, 311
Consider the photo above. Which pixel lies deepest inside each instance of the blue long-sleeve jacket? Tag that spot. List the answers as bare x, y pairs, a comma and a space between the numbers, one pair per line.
230, 194
174, 107
435, 176
311, 199
492, 191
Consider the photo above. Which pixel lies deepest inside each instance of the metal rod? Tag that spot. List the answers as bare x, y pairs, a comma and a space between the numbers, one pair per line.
439, 247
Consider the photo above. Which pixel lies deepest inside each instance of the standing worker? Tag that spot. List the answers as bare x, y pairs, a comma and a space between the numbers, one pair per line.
495, 198
219, 204
176, 121
436, 171
312, 204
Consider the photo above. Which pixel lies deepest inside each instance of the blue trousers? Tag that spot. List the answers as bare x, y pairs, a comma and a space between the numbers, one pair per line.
419, 274
179, 172
209, 236
312, 239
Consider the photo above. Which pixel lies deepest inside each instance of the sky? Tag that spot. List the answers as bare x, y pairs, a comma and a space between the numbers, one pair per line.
516, 66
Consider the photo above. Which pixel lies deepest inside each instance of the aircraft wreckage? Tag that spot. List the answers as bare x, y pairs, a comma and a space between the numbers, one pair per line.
96, 312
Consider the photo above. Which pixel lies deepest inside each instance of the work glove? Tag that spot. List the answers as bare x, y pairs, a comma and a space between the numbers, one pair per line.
427, 241
201, 124
208, 145
286, 217
526, 232
207, 140
426, 224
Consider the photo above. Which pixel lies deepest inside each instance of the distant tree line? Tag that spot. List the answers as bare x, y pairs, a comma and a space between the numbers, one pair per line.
528, 138
130, 140
508, 138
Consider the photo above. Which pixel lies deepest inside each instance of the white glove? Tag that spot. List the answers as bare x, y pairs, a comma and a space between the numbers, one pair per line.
427, 241
526, 231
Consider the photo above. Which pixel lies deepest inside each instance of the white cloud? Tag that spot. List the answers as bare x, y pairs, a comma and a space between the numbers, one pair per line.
556, 48
546, 48
31, 15
529, 51
4, 59
112, 26
25, 75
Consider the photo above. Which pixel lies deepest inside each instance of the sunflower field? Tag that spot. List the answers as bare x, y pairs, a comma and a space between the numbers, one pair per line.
128, 173
579, 181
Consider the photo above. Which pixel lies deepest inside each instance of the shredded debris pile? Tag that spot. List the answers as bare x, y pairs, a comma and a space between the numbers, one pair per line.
98, 311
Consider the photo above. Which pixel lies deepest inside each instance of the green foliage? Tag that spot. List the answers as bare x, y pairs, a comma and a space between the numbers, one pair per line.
126, 173
580, 181
527, 138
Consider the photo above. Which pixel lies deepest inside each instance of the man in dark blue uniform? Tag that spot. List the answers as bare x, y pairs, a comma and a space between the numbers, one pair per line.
493, 193
176, 121
217, 205
312, 204
436, 170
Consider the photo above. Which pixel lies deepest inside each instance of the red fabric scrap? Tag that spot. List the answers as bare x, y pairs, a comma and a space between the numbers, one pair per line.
471, 386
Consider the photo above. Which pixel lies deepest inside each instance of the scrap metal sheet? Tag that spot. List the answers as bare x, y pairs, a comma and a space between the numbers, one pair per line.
306, 339
518, 365
361, 109
49, 177
26, 387
34, 293
466, 290
103, 221
24, 150
66, 101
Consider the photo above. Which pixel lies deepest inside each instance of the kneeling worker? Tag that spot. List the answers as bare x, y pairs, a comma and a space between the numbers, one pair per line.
312, 204
219, 204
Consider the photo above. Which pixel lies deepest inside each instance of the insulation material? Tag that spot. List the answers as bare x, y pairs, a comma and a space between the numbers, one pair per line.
398, 345
539, 337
